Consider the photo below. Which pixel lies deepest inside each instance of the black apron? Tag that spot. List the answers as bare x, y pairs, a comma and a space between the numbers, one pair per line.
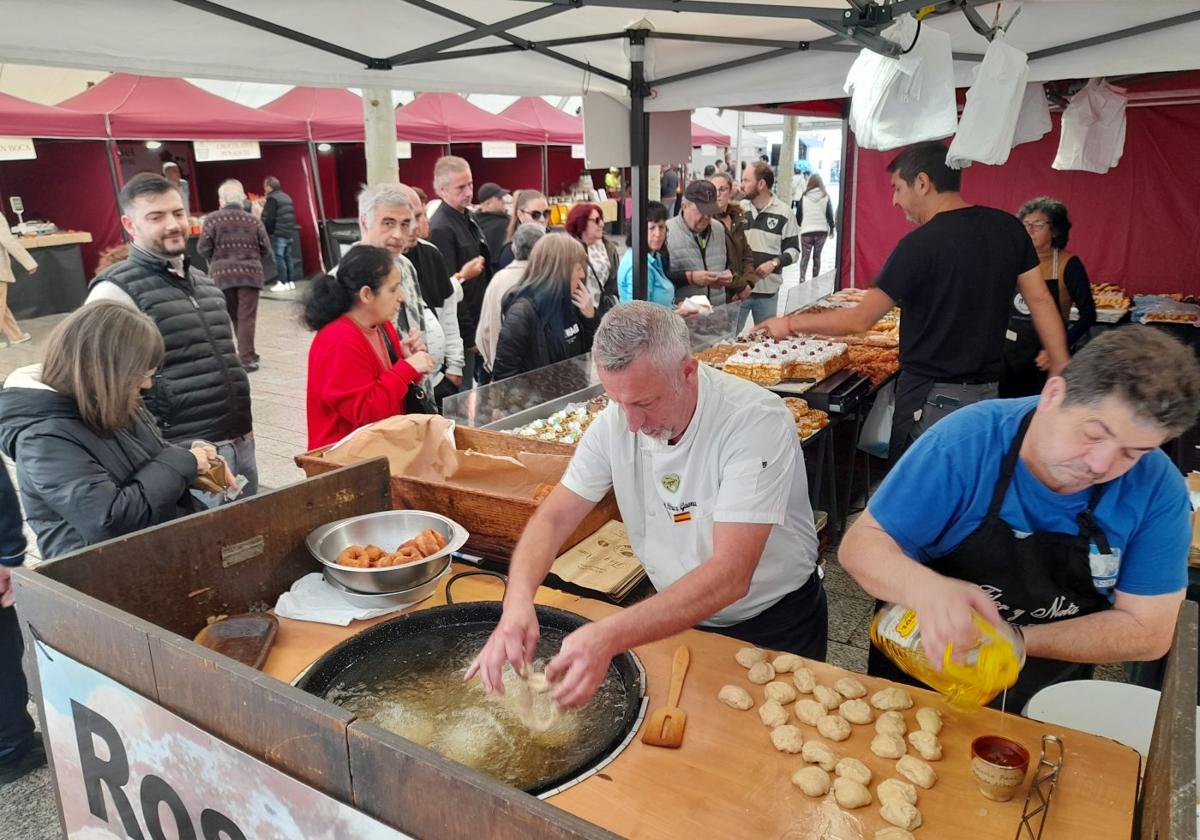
1021, 376
1042, 578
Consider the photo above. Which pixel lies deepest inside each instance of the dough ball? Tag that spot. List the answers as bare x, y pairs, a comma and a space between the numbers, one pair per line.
850, 688
827, 697
893, 833
805, 680
735, 697
852, 768
761, 673
785, 663
856, 711
916, 771
833, 727
890, 699
900, 813
896, 789
780, 692
850, 794
888, 746
787, 739
891, 723
809, 711
930, 720
926, 744
820, 754
746, 657
772, 714
812, 780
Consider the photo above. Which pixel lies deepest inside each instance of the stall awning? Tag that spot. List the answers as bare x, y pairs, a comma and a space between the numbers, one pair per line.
154, 108
336, 115
463, 122
702, 136
559, 127
19, 118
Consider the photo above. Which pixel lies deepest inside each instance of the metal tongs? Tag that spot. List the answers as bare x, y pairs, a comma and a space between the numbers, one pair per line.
1037, 801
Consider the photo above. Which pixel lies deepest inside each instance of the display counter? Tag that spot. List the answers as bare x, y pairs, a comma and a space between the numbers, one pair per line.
60, 284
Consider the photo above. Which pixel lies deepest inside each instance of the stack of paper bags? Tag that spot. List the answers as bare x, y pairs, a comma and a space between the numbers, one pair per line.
604, 562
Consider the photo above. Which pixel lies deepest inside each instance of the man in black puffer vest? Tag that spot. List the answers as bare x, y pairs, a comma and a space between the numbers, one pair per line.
279, 218
201, 392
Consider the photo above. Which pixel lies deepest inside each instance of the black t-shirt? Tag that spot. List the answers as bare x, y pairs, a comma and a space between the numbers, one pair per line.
460, 240
954, 278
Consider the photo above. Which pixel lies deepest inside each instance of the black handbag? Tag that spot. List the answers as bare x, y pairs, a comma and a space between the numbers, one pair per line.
416, 400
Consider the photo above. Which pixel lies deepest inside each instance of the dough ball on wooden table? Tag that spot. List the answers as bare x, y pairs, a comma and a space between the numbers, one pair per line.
900, 813
856, 711
761, 673
785, 663
916, 771
891, 723
833, 727
805, 680
827, 697
772, 714
891, 699
850, 688
780, 692
822, 755
896, 789
930, 720
748, 656
850, 794
888, 746
812, 780
926, 745
810, 711
787, 739
893, 833
852, 768
735, 697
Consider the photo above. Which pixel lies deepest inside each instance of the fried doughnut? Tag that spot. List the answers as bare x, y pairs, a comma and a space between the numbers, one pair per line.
373, 552
429, 542
406, 555
541, 492
354, 556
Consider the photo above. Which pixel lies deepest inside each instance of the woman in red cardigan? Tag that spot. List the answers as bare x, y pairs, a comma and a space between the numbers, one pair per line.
352, 378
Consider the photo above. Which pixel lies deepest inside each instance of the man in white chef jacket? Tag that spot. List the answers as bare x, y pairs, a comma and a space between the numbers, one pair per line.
710, 480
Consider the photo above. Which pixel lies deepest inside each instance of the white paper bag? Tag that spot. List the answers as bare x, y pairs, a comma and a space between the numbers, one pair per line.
1093, 129
989, 120
876, 434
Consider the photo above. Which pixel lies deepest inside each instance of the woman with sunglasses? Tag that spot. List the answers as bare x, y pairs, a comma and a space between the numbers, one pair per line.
1049, 227
585, 223
529, 208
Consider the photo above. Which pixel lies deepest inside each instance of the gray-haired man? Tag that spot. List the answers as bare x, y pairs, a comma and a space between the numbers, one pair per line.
709, 477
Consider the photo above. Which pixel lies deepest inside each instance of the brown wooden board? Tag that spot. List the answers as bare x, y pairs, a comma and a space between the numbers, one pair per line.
277, 724
1167, 806
233, 559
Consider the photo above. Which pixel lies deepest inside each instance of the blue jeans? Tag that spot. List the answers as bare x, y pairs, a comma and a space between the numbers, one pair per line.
761, 307
239, 456
281, 247
16, 726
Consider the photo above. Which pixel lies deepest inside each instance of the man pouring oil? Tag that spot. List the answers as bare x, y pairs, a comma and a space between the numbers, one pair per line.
1058, 514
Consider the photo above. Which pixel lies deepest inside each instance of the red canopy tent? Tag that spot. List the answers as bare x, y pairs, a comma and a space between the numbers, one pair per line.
336, 115
557, 125
19, 118
702, 136
467, 123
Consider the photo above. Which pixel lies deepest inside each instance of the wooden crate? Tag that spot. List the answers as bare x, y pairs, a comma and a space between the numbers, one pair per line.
494, 520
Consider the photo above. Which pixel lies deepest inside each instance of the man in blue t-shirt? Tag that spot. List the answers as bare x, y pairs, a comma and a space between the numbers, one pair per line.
1057, 513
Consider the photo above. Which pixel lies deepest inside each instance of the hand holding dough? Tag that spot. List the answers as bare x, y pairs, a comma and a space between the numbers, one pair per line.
761, 673
772, 714
787, 739
812, 780
748, 656
893, 833
850, 794
926, 744
735, 697
930, 720
827, 697
809, 711
850, 688
896, 789
888, 746
890, 699
820, 754
833, 727
786, 663
900, 813
805, 680
916, 771
780, 692
856, 711
891, 723
852, 768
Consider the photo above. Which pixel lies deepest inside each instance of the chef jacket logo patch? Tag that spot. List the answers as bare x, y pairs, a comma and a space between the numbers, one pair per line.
670, 482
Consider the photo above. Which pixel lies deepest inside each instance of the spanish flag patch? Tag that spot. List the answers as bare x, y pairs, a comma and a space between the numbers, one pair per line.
686, 516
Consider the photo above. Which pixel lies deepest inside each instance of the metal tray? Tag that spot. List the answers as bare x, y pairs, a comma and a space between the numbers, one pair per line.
541, 412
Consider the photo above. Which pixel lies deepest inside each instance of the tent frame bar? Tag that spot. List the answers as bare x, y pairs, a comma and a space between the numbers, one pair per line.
1119, 34
499, 28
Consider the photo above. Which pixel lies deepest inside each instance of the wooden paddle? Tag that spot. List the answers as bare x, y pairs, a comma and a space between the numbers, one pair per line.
665, 727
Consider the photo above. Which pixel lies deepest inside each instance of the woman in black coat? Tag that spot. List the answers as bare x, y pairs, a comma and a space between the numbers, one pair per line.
551, 315
91, 464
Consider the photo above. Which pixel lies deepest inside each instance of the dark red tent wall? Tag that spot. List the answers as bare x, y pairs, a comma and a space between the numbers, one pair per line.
1135, 226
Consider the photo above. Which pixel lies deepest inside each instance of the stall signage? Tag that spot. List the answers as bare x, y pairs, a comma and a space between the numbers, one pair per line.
17, 148
499, 150
577, 151
208, 151
403, 150
127, 767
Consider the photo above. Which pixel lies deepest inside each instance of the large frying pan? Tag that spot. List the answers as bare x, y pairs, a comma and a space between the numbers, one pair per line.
419, 630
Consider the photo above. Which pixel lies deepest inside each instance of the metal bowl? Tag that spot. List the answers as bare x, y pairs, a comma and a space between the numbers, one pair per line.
386, 529
396, 600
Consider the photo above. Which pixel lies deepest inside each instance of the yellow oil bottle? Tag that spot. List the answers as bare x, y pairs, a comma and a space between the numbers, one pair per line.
990, 667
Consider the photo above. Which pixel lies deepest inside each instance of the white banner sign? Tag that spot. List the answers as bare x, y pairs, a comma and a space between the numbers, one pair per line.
403, 150
17, 148
577, 151
208, 151
708, 150
499, 150
126, 767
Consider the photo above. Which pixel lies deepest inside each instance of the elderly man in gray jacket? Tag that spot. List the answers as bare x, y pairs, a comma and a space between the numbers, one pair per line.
697, 254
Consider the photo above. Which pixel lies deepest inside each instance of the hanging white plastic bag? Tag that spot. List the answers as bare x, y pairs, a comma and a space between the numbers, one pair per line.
1033, 122
1093, 129
876, 434
989, 120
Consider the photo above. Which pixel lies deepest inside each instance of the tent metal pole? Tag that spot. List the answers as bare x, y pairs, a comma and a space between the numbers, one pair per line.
316, 177
1108, 37
639, 155
841, 208
545, 169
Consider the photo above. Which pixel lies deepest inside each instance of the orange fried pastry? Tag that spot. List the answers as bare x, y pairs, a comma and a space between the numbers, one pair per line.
354, 556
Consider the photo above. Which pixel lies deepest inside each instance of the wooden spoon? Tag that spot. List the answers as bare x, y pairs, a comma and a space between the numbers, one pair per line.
665, 727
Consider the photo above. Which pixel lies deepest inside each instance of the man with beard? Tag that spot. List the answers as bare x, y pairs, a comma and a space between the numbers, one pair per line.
1059, 514
709, 477
201, 392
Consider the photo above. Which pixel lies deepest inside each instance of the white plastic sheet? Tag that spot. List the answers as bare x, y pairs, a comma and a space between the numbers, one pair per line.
1033, 123
1093, 129
989, 120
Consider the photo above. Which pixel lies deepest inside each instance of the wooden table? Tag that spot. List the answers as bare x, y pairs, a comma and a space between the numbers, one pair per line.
728, 781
